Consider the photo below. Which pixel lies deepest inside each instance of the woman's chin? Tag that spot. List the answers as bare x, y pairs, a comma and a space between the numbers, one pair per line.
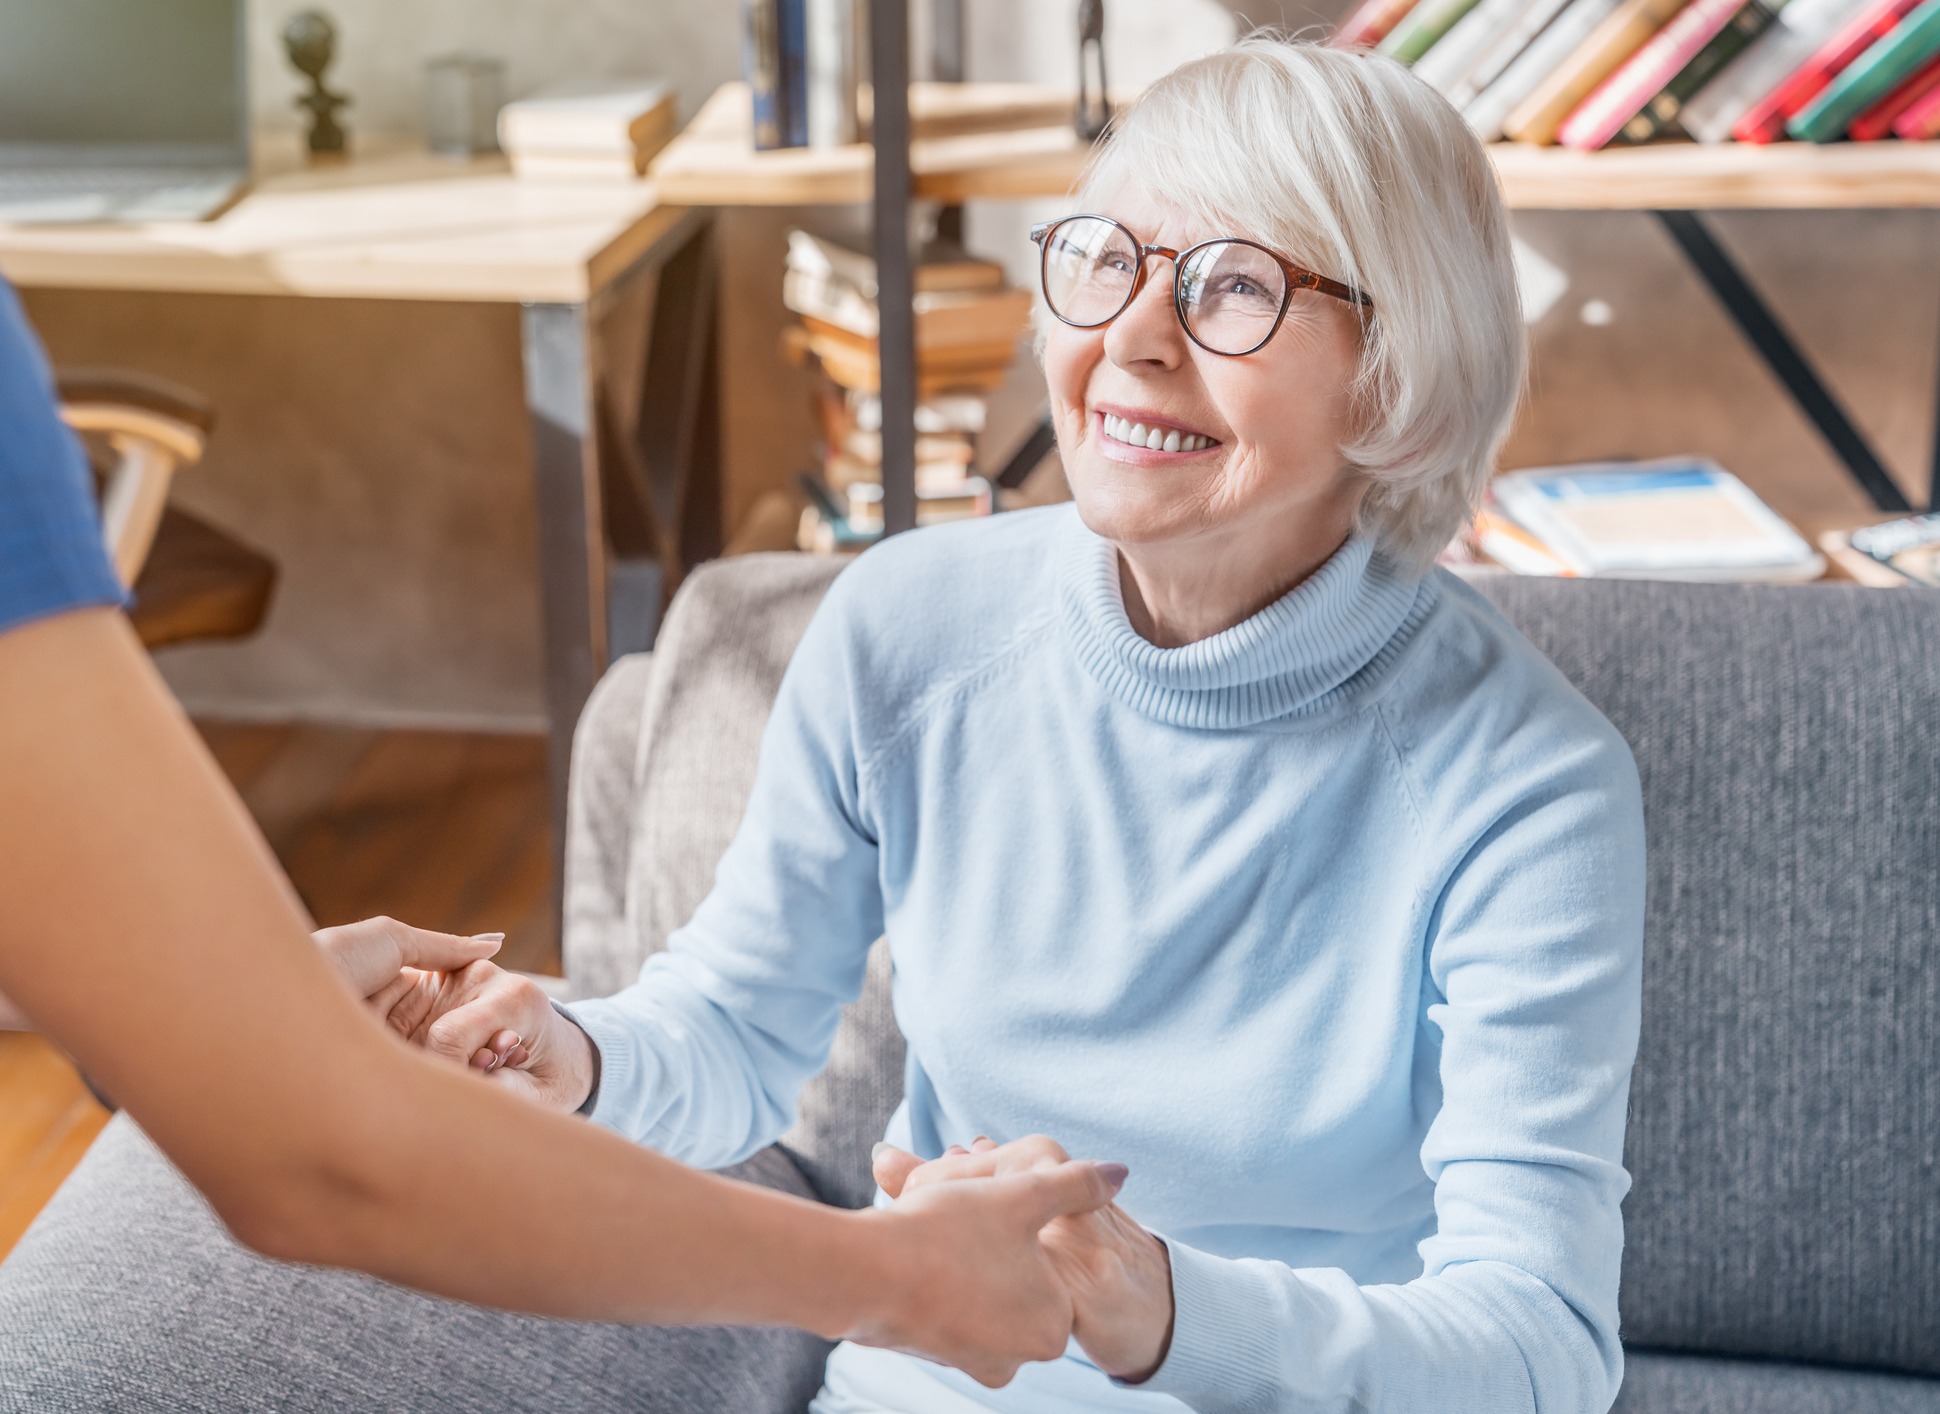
1128, 515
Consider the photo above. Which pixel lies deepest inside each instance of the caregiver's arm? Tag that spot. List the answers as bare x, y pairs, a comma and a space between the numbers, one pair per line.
142, 909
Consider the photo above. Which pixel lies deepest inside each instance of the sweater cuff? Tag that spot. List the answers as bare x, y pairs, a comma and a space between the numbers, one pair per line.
1226, 1338
619, 1078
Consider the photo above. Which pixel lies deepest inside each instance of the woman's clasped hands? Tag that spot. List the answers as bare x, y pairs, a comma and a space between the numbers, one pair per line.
1118, 1274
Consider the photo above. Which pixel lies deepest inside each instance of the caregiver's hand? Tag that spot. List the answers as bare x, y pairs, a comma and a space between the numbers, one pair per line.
1119, 1275
498, 1023
375, 954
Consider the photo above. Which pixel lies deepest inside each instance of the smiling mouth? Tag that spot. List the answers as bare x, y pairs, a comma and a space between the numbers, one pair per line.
1155, 439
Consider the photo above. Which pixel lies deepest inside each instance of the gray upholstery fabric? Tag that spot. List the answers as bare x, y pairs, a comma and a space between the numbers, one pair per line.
1785, 1115
693, 733
1655, 1383
128, 1296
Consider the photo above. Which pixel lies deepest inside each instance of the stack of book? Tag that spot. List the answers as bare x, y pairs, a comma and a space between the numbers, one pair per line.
968, 320
1590, 73
596, 131
1678, 518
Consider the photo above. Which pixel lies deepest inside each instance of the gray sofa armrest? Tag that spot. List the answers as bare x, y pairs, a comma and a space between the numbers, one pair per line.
596, 945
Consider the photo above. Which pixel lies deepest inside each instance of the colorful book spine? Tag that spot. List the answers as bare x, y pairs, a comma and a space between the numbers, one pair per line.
1422, 28
1801, 30
1371, 22
1489, 110
1765, 120
1877, 121
1869, 78
1645, 74
1627, 30
761, 67
1449, 62
1921, 120
1510, 41
1660, 115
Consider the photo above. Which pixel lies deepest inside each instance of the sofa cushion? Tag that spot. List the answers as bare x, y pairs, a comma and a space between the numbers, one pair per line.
127, 1295
1657, 1383
1785, 1112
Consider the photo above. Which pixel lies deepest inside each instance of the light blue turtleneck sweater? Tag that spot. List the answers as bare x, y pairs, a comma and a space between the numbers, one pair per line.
1328, 926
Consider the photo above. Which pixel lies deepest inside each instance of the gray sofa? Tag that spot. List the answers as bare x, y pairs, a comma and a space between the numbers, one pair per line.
1784, 1232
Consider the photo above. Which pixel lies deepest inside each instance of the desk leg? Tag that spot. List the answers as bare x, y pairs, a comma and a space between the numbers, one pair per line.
1761, 327
559, 383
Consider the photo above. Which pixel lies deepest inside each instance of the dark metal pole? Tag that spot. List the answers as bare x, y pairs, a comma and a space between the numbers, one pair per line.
895, 270
1782, 356
1933, 478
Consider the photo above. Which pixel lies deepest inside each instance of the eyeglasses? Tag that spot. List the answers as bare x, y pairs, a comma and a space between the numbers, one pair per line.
1231, 294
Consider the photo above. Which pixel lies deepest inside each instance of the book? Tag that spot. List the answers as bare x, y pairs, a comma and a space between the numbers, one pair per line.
1622, 33
1508, 39
1920, 121
1877, 121
1645, 74
1895, 553
1369, 23
1489, 110
616, 117
834, 72
1422, 27
791, 50
1765, 120
581, 166
1660, 115
1802, 27
761, 69
1452, 60
1514, 548
1675, 518
1889, 62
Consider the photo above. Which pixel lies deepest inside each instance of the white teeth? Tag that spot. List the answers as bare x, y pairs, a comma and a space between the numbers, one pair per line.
1157, 439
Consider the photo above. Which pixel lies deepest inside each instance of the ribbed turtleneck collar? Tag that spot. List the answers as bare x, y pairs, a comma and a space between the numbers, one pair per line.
1293, 658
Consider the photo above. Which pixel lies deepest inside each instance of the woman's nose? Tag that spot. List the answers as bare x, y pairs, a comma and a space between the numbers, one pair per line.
1147, 331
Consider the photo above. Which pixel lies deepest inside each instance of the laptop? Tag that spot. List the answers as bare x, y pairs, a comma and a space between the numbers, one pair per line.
122, 110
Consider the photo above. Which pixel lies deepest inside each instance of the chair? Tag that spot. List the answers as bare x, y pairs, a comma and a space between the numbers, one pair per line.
191, 580
1785, 1125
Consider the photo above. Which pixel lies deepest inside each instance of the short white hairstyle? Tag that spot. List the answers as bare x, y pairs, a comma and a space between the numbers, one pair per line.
1352, 166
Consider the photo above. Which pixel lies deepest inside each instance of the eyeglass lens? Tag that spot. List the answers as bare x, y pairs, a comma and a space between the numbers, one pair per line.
1229, 293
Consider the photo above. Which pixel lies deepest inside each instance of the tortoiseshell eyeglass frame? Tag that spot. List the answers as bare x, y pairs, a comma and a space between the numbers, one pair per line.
1298, 278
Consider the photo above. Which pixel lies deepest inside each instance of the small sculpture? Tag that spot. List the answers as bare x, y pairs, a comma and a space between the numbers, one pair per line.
310, 39
1094, 110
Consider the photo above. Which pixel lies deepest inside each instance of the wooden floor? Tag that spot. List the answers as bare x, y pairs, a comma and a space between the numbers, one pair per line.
447, 830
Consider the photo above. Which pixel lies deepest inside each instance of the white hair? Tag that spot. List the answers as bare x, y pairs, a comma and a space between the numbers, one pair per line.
1350, 165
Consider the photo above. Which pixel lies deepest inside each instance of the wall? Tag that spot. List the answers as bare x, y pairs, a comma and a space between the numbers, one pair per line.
379, 450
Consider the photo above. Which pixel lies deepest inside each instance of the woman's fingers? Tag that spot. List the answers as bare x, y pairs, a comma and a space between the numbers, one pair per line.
488, 1006
892, 1167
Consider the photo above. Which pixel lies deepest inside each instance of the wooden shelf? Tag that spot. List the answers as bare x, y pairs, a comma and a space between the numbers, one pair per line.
994, 141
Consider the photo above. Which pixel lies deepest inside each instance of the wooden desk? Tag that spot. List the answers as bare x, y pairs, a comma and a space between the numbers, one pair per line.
403, 224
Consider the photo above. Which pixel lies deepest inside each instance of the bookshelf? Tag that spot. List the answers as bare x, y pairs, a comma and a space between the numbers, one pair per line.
961, 142
1026, 148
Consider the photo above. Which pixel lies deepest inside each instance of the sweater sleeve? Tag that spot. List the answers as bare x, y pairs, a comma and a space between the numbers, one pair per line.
703, 1057
1534, 954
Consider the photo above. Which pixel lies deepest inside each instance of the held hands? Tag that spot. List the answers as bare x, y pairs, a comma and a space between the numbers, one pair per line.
1118, 1275
439, 991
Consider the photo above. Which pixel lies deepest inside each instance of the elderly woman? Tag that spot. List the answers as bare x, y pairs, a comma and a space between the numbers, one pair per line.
1214, 833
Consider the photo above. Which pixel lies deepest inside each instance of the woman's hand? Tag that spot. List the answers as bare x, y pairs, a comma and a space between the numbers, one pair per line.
498, 1023
1119, 1275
